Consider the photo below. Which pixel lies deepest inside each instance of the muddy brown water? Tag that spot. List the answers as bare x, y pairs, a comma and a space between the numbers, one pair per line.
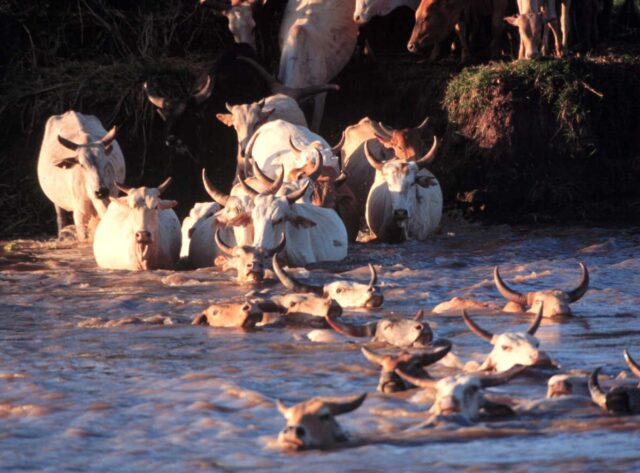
79, 393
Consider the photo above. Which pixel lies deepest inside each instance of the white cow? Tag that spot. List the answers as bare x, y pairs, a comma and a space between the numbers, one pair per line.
198, 213
239, 13
78, 164
139, 231
317, 39
405, 200
367, 9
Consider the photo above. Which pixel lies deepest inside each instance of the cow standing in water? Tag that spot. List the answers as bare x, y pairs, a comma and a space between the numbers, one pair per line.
78, 164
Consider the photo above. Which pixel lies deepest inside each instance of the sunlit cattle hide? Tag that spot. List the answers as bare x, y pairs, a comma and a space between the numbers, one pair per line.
530, 25
239, 13
78, 164
620, 400
405, 200
311, 424
511, 348
413, 364
555, 302
139, 231
348, 294
402, 333
199, 212
308, 309
243, 315
464, 395
367, 9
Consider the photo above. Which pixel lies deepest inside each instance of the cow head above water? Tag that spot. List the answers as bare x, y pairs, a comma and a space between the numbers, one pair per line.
143, 205
511, 348
406, 143
346, 293
435, 21
555, 302
410, 363
246, 119
620, 400
312, 423
243, 315
567, 385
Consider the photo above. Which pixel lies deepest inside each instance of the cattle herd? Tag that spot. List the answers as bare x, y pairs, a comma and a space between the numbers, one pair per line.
296, 200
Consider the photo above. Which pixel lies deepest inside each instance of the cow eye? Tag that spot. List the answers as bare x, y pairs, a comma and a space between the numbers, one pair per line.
339, 290
292, 304
505, 348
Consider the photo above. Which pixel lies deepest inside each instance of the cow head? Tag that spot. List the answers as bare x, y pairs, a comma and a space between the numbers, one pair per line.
435, 20
90, 161
411, 363
346, 293
403, 333
199, 212
144, 205
246, 119
567, 385
312, 423
243, 315
511, 348
530, 26
367, 9
239, 13
170, 109
619, 400
555, 302
406, 143
463, 394
309, 305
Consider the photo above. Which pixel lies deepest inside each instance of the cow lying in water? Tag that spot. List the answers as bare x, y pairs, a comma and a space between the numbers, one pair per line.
243, 315
411, 363
312, 423
622, 400
555, 302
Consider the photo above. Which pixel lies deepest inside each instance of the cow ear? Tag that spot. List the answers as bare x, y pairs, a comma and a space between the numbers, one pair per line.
67, 163
225, 118
299, 221
167, 204
512, 20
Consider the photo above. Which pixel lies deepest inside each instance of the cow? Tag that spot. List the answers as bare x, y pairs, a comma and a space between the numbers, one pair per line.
239, 13
572, 384
311, 424
511, 348
139, 231
308, 309
619, 400
413, 364
555, 302
347, 293
405, 200
199, 212
245, 315
79, 162
317, 39
463, 395
532, 18
367, 9
401, 333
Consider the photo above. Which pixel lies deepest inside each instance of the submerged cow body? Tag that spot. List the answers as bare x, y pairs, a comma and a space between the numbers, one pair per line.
77, 167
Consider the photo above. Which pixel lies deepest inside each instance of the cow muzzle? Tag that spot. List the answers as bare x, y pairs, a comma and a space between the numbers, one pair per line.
143, 237
292, 437
400, 215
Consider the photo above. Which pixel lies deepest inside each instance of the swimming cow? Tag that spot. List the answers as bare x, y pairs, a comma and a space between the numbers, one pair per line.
622, 400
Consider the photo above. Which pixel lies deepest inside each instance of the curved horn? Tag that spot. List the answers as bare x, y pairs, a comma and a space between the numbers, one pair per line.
508, 293
502, 377
248, 189
154, 99
480, 332
348, 405
226, 249
259, 174
203, 92
533, 328
109, 137
214, 193
420, 382
297, 150
122, 188
367, 330
279, 247
275, 185
67, 144
281, 407
163, 187
315, 172
429, 358
597, 394
431, 154
386, 129
338, 148
293, 284
261, 102
633, 364
419, 315
423, 125
374, 275
248, 153
582, 288
295, 195
274, 86
372, 356
375, 164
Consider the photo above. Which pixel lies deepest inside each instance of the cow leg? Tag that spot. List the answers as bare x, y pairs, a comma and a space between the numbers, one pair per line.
318, 110
80, 220
461, 31
61, 219
565, 21
554, 26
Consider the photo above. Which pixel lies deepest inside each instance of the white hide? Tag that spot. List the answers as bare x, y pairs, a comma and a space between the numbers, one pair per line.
394, 189
367, 9
74, 189
200, 211
241, 23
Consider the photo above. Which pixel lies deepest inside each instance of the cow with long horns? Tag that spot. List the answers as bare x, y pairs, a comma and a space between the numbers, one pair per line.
413, 364
312, 424
555, 302
620, 400
511, 348
78, 164
139, 231
405, 200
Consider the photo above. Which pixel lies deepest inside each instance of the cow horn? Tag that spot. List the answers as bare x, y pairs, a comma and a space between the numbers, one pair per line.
431, 154
163, 187
248, 154
281, 407
203, 92
276, 184
419, 315
386, 129
423, 125
374, 275
429, 358
502, 377
508, 293
533, 328
480, 332
295, 195
315, 172
420, 382
375, 164
341, 179
297, 150
348, 405
248, 189
122, 188
109, 137
260, 175
262, 102
580, 291
279, 247
291, 283
214, 193
597, 394
372, 356
67, 144
366, 330
154, 99
633, 364
336, 150
226, 249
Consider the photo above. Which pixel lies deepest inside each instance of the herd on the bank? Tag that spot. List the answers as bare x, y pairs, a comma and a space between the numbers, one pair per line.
297, 200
